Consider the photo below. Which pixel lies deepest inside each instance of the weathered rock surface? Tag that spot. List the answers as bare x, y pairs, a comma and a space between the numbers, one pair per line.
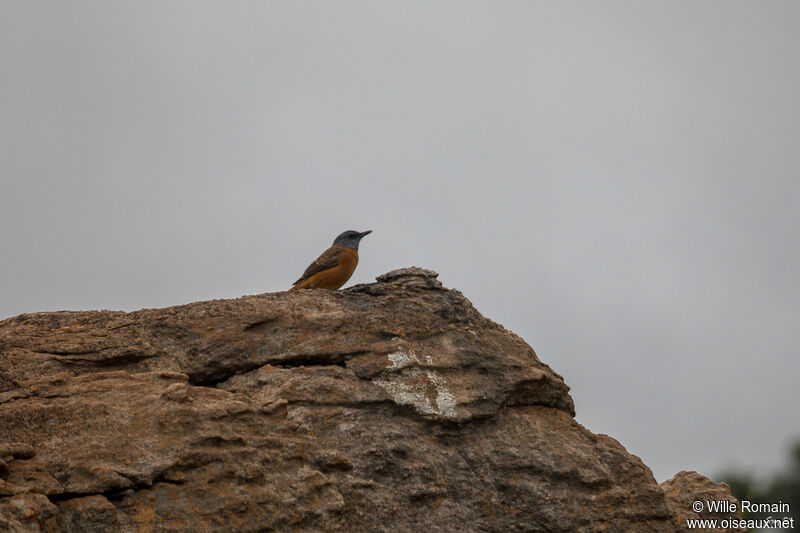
392, 406
686, 488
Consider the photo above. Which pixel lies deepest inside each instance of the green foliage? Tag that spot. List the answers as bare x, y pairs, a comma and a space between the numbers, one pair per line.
782, 486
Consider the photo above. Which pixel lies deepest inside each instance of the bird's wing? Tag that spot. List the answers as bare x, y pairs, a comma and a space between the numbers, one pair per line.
328, 259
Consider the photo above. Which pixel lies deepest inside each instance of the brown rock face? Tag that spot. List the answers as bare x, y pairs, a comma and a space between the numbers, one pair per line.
393, 406
685, 489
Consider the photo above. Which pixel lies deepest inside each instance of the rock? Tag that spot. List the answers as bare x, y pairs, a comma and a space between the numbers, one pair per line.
686, 488
17, 450
389, 406
27, 512
91, 514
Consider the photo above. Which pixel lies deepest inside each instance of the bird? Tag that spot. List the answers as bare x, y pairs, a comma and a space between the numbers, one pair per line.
334, 267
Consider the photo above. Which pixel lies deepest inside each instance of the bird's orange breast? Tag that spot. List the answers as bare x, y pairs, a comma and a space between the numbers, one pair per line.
335, 277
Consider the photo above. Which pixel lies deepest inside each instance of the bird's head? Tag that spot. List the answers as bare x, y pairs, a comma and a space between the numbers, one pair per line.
350, 238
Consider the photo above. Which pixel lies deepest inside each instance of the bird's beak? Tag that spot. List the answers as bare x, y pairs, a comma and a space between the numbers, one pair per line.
365, 233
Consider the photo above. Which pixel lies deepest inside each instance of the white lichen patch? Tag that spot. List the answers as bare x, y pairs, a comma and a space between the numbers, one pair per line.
400, 359
423, 389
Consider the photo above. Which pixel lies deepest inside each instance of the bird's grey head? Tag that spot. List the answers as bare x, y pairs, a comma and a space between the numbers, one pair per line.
350, 238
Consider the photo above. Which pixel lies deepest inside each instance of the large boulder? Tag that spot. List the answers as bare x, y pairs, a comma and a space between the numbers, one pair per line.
391, 406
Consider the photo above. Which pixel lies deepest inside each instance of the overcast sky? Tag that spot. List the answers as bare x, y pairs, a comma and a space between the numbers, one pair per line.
617, 182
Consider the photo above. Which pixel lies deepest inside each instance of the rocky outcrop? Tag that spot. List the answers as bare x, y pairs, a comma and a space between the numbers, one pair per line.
689, 493
391, 406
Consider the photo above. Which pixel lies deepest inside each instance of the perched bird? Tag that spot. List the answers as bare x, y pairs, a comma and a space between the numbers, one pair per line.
334, 267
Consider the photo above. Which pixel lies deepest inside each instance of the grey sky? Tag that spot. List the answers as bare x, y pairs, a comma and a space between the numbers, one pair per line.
617, 182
